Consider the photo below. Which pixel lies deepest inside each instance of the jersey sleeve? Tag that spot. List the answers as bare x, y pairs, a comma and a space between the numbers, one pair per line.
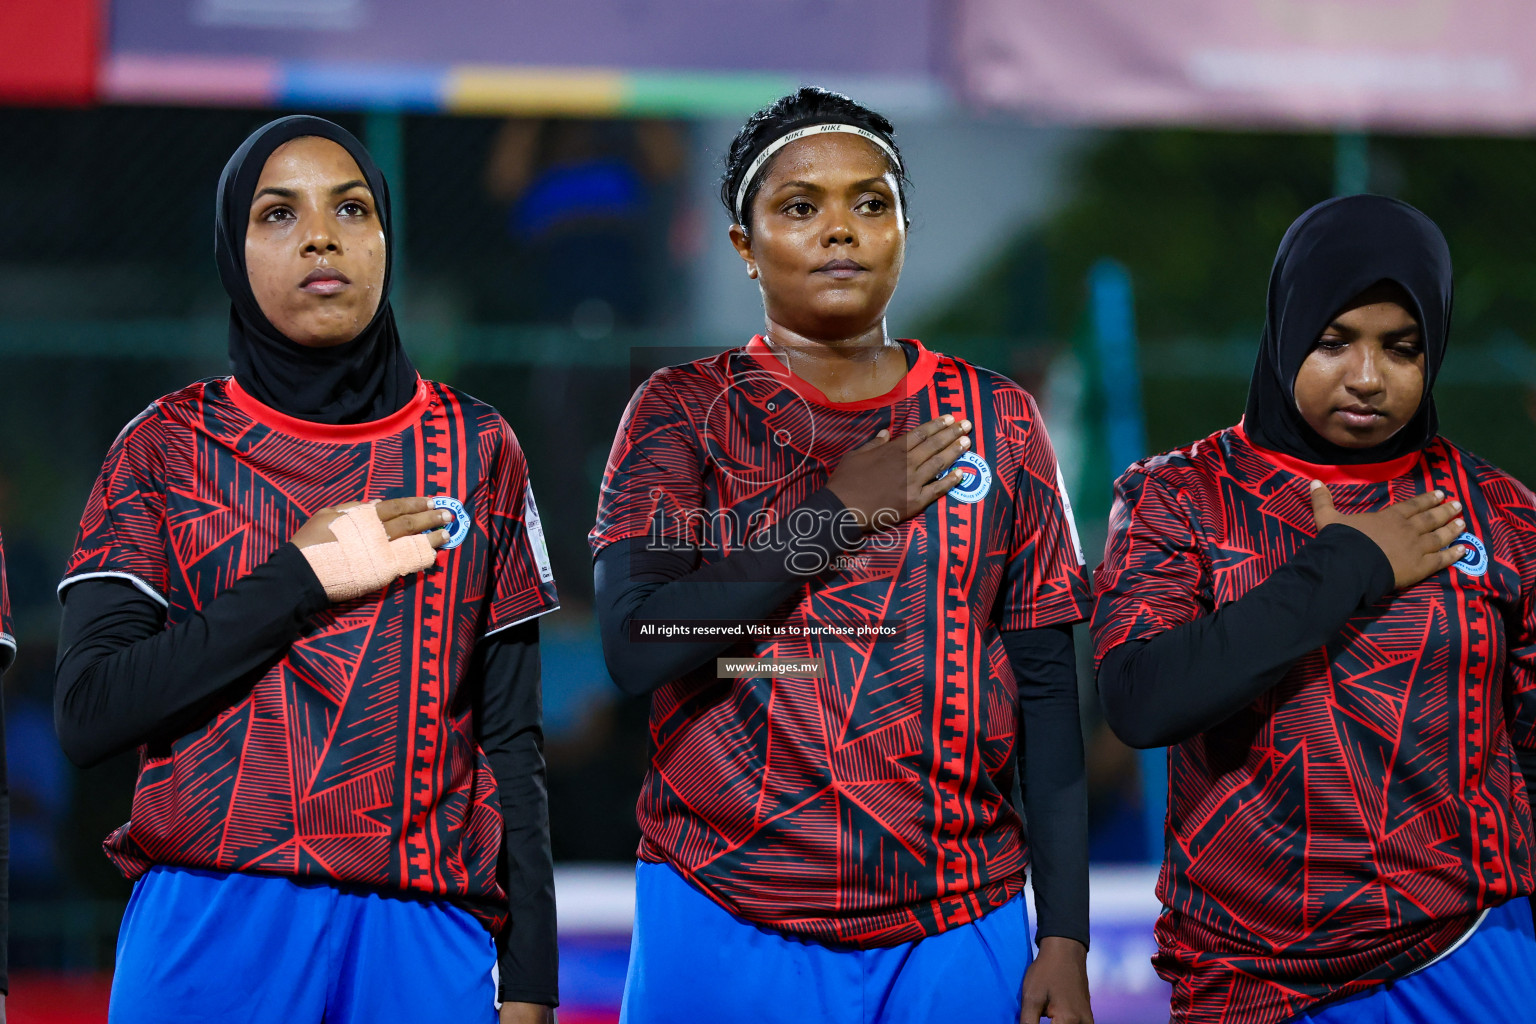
522, 583
1151, 577
653, 484
1517, 525
7, 626
123, 530
1044, 584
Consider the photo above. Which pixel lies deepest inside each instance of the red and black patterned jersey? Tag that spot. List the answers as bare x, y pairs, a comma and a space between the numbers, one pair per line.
1349, 825
871, 806
7, 629
353, 759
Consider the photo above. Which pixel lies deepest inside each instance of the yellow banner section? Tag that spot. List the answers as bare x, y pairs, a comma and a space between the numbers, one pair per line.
534, 92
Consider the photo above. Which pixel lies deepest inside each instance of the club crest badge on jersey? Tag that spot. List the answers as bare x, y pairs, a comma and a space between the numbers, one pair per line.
459, 528
975, 478
1475, 561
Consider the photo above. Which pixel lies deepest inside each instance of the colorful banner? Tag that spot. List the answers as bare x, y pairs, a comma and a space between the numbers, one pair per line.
574, 57
1423, 65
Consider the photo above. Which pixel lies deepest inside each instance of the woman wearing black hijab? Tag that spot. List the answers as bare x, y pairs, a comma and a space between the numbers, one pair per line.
307, 593
1328, 614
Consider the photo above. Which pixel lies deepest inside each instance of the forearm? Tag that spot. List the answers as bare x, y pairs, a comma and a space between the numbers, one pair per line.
635, 585
123, 679
511, 734
1055, 788
1192, 677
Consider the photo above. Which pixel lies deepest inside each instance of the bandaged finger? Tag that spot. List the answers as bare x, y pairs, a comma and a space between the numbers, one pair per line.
362, 558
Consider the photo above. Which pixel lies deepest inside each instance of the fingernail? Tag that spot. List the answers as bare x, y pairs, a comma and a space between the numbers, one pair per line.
1440, 495
965, 442
965, 424
1316, 484
948, 419
1456, 506
1460, 524
445, 516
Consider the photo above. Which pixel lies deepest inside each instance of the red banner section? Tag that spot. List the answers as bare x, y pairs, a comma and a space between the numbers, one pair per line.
49, 50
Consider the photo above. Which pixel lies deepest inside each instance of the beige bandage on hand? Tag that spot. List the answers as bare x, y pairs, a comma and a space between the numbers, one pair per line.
362, 558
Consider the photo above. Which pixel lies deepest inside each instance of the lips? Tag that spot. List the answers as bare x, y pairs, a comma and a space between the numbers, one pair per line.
841, 269
324, 281
1359, 415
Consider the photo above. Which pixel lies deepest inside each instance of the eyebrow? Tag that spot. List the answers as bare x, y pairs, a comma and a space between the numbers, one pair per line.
288, 193
1401, 332
811, 186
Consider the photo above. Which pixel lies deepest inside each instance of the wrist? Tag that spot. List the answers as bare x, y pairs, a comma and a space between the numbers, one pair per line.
1063, 946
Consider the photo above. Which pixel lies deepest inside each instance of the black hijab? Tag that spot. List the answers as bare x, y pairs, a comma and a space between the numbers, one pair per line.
361, 380
1332, 253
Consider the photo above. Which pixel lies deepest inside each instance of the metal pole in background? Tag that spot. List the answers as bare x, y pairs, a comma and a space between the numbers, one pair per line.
1112, 318
1351, 163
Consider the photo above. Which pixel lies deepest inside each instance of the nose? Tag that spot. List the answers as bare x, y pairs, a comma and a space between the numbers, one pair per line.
1363, 376
320, 236
839, 231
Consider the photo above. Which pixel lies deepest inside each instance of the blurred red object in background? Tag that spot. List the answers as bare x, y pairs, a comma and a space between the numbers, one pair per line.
50, 51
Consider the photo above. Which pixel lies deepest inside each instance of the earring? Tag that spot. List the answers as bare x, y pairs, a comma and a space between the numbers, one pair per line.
752, 273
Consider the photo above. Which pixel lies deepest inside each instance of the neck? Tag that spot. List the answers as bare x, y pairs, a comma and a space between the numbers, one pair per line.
845, 369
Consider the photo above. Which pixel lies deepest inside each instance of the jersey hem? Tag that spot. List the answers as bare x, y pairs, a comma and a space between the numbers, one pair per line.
519, 622
111, 575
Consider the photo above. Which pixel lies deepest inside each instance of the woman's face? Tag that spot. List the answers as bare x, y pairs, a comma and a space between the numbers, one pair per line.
1364, 380
828, 236
314, 247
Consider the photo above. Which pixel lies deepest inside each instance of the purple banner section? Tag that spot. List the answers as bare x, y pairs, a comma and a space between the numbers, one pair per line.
1425, 65
842, 37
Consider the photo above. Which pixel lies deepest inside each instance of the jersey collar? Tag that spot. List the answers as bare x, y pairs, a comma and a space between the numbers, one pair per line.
917, 378
1364, 473
331, 433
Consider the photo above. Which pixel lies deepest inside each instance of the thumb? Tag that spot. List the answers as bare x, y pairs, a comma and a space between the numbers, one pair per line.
874, 442
1322, 504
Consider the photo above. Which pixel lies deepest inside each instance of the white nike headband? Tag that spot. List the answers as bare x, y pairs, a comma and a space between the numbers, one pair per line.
800, 133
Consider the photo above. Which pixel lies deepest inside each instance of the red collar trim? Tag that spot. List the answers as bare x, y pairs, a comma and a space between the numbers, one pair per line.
1364, 473
331, 433
917, 378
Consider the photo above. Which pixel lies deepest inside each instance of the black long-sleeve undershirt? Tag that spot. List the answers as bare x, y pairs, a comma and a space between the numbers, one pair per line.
636, 584
6, 654
1055, 783
124, 679
511, 724
1190, 678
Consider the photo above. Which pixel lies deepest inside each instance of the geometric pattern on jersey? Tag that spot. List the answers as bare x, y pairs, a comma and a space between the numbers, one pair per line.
873, 806
7, 628
1349, 825
353, 758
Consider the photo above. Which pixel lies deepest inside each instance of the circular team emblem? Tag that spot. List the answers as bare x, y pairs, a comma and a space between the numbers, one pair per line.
1475, 561
975, 478
459, 528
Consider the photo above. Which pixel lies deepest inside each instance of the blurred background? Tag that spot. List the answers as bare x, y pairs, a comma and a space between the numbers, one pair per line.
1099, 189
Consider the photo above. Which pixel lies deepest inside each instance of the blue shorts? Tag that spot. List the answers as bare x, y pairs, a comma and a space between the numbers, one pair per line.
199, 946
1491, 977
690, 960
